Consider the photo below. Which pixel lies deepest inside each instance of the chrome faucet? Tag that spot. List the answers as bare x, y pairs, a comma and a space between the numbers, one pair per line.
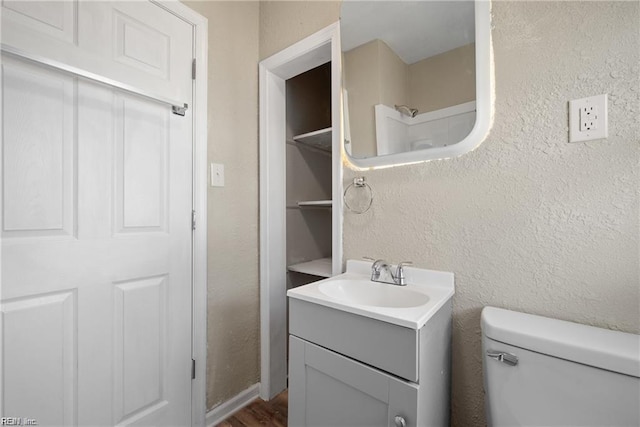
381, 265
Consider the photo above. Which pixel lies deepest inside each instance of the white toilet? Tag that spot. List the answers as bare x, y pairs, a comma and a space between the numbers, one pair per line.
546, 372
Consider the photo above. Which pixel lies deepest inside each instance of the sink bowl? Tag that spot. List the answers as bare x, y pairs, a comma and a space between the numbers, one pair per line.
353, 292
368, 293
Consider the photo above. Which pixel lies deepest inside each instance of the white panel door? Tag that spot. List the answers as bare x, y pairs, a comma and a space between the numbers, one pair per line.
137, 42
96, 233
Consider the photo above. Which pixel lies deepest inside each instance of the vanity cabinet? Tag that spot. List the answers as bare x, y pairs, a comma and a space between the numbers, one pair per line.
346, 369
334, 390
389, 347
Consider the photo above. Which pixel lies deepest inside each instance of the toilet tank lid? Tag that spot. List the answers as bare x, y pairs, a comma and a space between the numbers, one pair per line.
602, 348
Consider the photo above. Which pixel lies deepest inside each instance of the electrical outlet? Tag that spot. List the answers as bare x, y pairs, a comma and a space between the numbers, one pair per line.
588, 118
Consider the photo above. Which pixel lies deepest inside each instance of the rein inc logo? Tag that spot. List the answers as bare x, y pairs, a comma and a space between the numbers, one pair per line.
18, 421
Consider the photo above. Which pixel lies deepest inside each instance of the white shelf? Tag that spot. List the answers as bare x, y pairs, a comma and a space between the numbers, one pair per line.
318, 267
320, 139
315, 204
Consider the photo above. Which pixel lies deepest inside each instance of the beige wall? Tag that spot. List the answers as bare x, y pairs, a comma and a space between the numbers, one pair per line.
233, 320
361, 82
282, 23
373, 75
528, 221
394, 76
233, 315
443, 80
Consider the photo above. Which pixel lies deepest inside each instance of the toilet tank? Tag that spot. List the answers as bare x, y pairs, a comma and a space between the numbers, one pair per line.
563, 373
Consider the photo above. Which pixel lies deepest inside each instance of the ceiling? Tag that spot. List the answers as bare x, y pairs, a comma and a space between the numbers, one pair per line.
413, 29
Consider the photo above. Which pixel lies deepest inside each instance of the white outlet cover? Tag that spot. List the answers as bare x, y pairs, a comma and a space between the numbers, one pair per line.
601, 121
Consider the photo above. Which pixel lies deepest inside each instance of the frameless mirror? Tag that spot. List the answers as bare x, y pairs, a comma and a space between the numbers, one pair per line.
416, 79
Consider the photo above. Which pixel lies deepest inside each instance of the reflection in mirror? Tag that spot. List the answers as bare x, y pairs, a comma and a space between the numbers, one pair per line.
409, 76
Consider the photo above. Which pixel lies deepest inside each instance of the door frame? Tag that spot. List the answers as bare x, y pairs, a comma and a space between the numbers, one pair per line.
199, 191
317, 49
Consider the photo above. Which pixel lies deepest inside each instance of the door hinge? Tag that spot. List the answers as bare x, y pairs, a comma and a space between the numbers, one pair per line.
193, 220
193, 369
193, 69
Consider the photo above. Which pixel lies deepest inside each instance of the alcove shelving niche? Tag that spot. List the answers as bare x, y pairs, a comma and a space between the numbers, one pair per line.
309, 176
316, 140
309, 222
317, 267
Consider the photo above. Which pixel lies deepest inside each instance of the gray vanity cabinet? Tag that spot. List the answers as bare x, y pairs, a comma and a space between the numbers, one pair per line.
350, 370
333, 390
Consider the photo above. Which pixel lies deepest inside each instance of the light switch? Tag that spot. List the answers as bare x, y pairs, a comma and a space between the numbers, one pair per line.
217, 175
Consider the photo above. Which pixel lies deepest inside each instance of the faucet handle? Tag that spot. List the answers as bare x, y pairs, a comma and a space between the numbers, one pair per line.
376, 267
400, 272
377, 263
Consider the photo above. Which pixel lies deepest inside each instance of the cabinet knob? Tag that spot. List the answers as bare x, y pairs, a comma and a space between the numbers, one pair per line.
400, 422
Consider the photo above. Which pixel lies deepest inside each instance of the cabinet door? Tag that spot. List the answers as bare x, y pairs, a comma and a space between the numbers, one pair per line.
327, 389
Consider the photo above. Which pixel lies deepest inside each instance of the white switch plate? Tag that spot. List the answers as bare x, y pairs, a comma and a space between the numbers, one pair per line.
217, 175
588, 118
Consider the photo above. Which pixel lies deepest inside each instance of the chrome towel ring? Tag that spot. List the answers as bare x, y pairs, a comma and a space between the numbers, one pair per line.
358, 182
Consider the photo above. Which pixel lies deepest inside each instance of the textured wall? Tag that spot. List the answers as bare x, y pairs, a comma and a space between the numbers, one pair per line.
233, 315
282, 23
528, 221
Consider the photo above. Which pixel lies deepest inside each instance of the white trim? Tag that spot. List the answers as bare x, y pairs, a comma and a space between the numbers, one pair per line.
336, 159
231, 406
315, 50
397, 132
484, 105
384, 111
272, 225
199, 244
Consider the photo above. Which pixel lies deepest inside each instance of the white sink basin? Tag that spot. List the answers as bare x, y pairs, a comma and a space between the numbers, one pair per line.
366, 292
410, 306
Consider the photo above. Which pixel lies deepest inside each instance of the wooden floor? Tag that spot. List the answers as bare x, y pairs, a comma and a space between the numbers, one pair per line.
261, 413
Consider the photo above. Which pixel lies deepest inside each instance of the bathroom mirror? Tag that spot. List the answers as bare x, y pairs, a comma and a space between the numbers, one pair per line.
416, 79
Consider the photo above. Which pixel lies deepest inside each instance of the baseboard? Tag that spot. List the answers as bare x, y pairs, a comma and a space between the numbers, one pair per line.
231, 406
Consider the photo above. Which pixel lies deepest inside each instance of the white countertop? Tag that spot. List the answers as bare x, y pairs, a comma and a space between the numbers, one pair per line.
437, 285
